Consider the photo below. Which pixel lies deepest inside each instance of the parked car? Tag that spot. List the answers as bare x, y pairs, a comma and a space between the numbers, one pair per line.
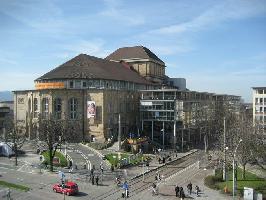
69, 188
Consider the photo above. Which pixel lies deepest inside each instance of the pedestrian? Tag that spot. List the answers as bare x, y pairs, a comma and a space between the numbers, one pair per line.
163, 160
101, 167
182, 195
189, 187
97, 180
159, 160
125, 187
92, 179
176, 190
197, 190
112, 168
154, 189
92, 171
180, 192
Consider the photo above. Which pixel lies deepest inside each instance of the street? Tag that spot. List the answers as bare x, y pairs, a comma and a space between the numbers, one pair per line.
179, 172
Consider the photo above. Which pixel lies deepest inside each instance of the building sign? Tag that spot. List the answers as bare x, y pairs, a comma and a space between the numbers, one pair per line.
146, 103
91, 109
52, 85
20, 100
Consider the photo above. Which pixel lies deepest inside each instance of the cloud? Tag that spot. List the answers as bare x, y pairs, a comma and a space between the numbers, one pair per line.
226, 10
94, 47
114, 10
40, 15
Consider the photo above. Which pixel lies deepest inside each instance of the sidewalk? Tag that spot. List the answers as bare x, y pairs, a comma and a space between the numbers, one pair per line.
193, 175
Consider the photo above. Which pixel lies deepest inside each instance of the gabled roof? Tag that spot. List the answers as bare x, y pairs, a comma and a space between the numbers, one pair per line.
137, 52
89, 67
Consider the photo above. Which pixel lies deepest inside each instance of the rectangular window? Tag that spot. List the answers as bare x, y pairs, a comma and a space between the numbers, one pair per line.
71, 84
78, 84
84, 84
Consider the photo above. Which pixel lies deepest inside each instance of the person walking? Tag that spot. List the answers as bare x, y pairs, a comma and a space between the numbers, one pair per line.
154, 189
197, 190
176, 190
189, 187
92, 180
97, 180
112, 168
101, 167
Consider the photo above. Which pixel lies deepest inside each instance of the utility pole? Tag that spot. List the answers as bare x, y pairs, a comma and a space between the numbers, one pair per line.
224, 147
234, 169
119, 132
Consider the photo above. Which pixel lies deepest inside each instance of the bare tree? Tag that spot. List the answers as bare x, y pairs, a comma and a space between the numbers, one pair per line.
240, 127
15, 136
55, 132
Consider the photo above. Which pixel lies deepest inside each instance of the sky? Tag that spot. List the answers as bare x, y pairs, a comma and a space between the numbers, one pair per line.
218, 46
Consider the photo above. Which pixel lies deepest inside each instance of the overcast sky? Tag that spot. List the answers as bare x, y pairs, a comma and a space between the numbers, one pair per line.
218, 46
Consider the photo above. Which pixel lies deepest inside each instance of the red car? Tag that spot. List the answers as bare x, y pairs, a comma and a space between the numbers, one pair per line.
69, 188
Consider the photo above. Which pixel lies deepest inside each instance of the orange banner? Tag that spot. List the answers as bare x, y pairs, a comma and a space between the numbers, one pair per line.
40, 86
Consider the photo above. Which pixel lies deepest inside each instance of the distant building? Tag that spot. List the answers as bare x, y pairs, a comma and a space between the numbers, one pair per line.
170, 116
259, 106
6, 113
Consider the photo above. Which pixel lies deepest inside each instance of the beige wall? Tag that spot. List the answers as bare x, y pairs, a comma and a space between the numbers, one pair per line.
109, 103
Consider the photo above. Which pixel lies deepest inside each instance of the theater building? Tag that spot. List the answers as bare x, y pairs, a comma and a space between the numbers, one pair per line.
92, 92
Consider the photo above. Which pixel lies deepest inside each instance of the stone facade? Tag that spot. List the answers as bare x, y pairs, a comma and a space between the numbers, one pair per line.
109, 104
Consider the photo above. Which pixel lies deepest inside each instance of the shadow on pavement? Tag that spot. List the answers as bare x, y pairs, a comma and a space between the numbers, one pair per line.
81, 194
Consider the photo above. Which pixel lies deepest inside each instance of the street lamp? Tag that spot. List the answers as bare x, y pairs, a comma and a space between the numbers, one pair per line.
234, 175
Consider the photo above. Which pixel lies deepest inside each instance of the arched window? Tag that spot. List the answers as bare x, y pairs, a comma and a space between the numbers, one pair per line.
73, 108
45, 107
35, 107
57, 108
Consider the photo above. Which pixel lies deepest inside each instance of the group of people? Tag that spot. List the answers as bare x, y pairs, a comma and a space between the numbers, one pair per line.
179, 191
95, 179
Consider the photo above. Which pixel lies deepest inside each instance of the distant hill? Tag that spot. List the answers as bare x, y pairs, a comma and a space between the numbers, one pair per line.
6, 96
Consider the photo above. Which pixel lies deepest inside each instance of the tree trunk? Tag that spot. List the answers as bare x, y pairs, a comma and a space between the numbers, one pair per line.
244, 172
16, 154
205, 143
51, 159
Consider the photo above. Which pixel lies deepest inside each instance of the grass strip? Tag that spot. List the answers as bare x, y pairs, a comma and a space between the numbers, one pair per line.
62, 158
15, 186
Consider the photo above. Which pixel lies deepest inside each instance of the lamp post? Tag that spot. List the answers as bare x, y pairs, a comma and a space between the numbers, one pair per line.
224, 163
234, 175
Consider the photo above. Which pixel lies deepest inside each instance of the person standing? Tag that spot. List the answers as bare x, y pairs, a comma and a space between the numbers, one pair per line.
189, 187
176, 190
180, 192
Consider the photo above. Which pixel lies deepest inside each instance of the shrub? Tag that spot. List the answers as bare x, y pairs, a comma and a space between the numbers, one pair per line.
211, 181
